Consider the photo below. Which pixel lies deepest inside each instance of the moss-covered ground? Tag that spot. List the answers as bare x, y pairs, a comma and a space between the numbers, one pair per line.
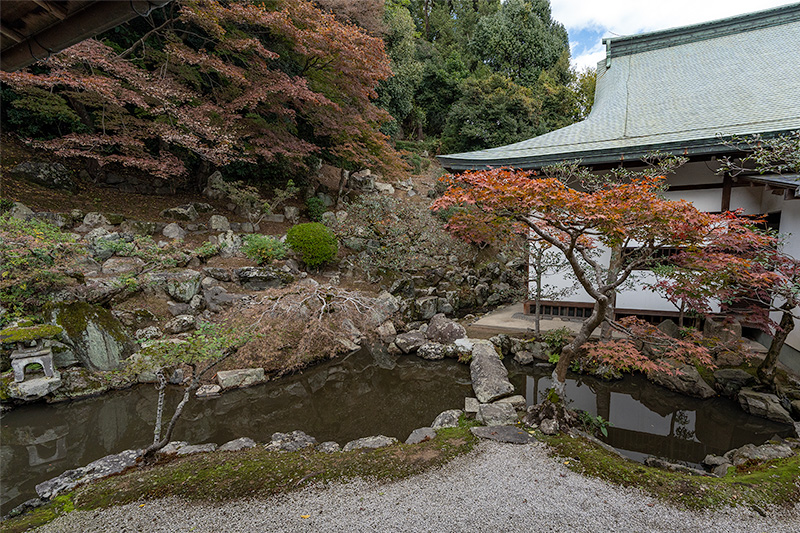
754, 485
253, 473
257, 473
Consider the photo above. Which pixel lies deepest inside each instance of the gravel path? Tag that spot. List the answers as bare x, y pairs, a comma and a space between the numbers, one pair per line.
495, 488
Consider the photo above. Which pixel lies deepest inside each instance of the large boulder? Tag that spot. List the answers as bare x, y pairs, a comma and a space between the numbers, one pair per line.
421, 435
433, 351
96, 337
174, 231
21, 212
122, 265
99, 469
261, 278
724, 332
729, 381
497, 414
291, 442
444, 331
764, 405
50, 175
682, 378
765, 452
34, 389
426, 307
182, 285
447, 419
411, 341
489, 376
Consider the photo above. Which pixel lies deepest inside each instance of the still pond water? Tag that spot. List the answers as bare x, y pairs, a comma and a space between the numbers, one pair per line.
363, 394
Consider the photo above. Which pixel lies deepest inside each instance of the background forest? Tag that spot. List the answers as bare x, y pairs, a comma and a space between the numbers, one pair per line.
265, 90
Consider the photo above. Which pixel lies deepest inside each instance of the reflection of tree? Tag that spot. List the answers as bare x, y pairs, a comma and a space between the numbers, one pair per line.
680, 419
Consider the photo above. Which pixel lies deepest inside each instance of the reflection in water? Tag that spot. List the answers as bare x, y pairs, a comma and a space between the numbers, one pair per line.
650, 420
364, 394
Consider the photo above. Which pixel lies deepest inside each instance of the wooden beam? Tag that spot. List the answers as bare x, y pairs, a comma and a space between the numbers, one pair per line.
727, 183
11, 34
57, 10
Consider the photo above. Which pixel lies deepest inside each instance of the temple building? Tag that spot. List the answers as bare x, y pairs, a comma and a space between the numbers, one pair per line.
684, 91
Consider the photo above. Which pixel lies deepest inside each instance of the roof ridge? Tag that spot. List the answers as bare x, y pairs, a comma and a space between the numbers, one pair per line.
645, 42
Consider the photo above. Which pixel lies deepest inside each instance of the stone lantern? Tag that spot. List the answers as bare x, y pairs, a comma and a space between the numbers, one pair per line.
32, 346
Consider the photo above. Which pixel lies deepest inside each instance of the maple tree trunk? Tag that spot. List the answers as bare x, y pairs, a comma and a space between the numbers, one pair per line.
766, 370
570, 350
614, 266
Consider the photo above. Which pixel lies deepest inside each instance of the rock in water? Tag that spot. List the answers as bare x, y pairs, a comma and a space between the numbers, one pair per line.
444, 331
107, 466
489, 376
763, 405
687, 380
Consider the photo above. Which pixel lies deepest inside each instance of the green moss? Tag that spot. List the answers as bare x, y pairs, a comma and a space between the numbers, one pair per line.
31, 333
41, 515
4, 392
258, 473
75, 318
773, 483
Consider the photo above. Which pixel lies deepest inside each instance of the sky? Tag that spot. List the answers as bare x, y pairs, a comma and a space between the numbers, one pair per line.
588, 21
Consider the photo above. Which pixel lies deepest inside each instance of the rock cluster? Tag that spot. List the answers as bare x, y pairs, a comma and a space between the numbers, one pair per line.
448, 290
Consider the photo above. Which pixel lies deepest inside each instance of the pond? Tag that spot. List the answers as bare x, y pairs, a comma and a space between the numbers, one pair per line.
367, 393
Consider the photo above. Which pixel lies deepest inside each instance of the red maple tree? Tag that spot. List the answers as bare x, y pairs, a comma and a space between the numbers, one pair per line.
631, 219
222, 82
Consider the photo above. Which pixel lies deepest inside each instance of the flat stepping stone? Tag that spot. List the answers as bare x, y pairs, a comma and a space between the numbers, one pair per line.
510, 434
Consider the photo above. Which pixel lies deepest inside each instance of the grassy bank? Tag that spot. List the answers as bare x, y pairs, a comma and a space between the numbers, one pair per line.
257, 473
253, 473
753, 485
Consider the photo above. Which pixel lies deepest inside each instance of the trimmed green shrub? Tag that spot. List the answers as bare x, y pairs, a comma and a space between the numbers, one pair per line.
263, 248
315, 243
315, 208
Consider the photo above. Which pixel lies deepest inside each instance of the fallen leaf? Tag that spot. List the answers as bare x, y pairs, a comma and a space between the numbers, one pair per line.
305, 516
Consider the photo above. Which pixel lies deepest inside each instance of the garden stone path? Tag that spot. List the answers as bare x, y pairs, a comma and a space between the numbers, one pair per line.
496, 487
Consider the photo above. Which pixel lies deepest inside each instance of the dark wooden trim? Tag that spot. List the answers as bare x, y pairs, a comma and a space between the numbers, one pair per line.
727, 183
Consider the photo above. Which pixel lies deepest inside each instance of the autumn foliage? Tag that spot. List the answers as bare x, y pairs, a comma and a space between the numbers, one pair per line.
605, 234
219, 82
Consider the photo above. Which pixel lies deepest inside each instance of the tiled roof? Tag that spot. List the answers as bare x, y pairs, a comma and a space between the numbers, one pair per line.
677, 90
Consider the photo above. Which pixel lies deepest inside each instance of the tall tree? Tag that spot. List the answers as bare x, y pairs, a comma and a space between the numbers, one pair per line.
520, 40
491, 112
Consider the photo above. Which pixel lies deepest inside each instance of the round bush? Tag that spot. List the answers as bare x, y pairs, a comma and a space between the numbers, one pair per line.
315, 243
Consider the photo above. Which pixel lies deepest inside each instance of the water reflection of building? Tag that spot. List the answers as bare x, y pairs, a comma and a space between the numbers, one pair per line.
649, 420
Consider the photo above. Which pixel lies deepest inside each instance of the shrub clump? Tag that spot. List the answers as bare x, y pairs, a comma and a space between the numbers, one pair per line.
263, 249
315, 208
315, 243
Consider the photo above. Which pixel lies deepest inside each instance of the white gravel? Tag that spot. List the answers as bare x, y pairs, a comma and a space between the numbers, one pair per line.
495, 488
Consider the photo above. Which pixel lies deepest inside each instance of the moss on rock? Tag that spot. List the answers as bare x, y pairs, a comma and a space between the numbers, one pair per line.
30, 333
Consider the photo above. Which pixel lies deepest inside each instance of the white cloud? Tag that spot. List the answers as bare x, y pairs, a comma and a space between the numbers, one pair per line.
628, 17
590, 57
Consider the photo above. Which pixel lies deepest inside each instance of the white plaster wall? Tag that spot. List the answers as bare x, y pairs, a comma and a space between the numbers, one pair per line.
754, 200
790, 229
